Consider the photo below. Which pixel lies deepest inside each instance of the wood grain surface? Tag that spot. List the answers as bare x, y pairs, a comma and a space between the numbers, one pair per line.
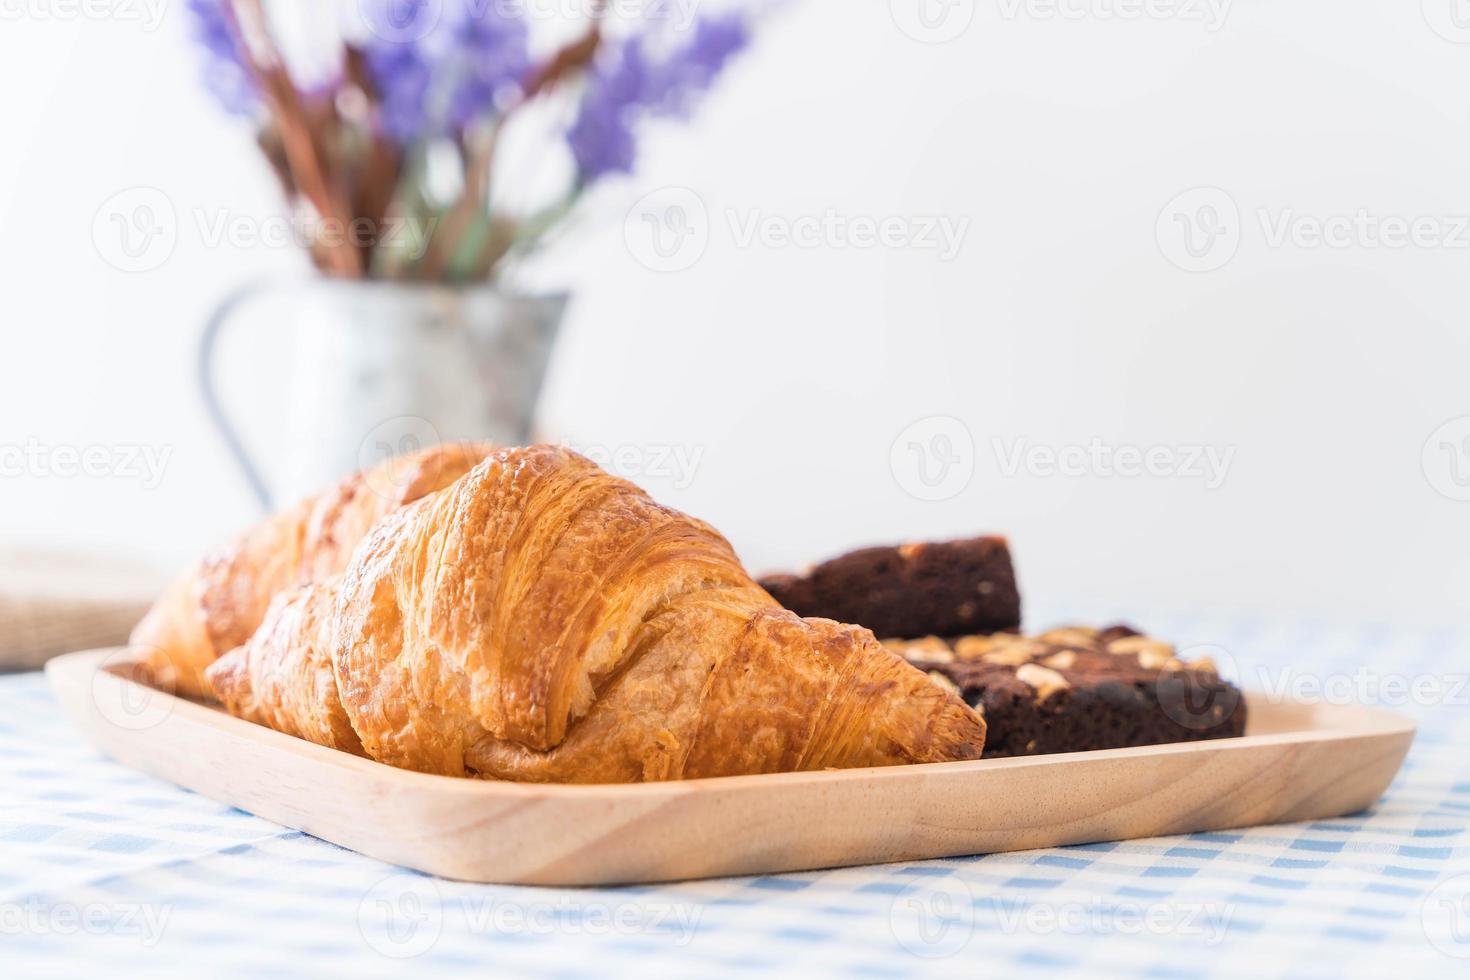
1296, 762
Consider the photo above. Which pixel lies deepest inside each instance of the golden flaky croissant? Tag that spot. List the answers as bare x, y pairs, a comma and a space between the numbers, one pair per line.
221, 602
541, 620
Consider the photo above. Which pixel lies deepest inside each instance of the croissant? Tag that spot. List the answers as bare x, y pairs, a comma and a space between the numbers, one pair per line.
221, 602
543, 621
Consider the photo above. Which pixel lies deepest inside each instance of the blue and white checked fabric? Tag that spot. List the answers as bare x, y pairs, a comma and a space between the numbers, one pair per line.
106, 871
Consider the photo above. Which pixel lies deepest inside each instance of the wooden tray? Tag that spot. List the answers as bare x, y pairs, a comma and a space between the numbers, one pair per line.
1298, 762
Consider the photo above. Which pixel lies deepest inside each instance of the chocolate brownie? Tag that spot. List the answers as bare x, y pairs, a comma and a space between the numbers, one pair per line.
1073, 690
949, 588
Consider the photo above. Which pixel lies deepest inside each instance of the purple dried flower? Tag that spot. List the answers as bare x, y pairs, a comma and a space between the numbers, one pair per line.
402, 80
693, 70
396, 62
490, 55
602, 138
435, 75
225, 73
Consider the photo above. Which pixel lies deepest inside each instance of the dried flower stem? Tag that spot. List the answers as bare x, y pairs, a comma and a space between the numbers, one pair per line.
361, 150
377, 182
480, 159
298, 144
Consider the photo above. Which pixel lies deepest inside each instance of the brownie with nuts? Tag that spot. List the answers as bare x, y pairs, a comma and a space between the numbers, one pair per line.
1078, 689
950, 588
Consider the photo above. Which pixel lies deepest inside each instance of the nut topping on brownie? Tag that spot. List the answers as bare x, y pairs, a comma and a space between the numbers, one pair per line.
1075, 689
930, 648
1045, 680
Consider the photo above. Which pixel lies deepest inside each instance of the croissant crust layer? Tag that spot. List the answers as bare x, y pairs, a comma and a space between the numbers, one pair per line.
541, 620
221, 602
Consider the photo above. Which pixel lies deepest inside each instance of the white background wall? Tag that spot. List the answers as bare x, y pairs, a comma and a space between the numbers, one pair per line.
793, 370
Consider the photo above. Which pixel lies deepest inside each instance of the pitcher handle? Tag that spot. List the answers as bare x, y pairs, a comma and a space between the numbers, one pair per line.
208, 342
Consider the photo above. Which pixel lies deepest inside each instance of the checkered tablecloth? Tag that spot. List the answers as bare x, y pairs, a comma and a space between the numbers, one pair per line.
104, 871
